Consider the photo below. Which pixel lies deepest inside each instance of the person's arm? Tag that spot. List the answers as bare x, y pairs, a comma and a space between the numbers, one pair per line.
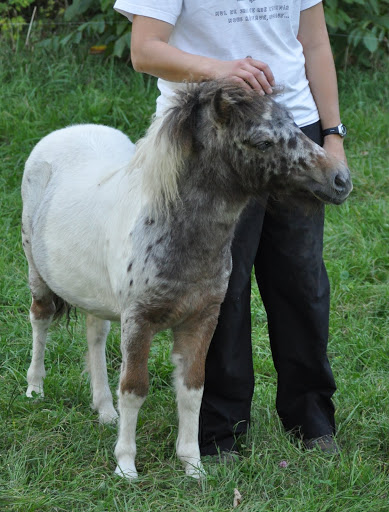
151, 53
320, 70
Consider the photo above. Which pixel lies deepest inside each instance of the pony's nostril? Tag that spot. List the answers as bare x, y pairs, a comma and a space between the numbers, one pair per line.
339, 182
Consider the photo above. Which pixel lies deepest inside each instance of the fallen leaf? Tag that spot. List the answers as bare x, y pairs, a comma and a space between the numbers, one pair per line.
97, 49
237, 498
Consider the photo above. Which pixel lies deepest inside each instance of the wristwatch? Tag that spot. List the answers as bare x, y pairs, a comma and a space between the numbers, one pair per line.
337, 130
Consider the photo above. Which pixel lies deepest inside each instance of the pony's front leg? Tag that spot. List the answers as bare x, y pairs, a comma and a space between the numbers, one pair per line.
133, 388
96, 332
191, 343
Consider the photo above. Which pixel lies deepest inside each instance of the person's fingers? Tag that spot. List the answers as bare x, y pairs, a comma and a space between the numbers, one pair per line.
264, 68
256, 74
241, 82
261, 79
249, 73
252, 81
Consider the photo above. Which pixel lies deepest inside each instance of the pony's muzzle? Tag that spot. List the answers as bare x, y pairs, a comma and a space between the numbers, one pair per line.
336, 188
341, 184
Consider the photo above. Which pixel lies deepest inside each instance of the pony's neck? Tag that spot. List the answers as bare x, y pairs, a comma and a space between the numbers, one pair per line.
203, 190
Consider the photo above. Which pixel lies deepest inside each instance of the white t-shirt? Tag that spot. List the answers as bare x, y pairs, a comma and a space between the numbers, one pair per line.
232, 29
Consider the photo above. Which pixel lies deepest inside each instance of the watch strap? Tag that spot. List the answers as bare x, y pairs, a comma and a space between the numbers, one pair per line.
336, 130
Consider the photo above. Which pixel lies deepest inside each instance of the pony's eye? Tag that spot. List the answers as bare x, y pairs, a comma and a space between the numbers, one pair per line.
262, 146
265, 144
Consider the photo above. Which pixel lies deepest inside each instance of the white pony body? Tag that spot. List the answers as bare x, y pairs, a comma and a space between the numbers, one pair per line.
85, 182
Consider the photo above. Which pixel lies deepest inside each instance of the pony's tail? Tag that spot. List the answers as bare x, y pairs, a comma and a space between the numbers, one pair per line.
62, 308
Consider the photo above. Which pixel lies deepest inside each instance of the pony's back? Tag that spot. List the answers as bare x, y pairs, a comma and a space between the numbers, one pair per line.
89, 152
80, 144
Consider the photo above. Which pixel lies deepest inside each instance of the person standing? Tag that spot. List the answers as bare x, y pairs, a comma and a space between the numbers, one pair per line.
259, 44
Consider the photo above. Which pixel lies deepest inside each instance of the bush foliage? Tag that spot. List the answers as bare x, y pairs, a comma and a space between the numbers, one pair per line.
359, 29
91, 21
100, 24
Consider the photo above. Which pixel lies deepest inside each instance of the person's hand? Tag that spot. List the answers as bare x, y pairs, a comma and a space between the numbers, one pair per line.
250, 73
333, 144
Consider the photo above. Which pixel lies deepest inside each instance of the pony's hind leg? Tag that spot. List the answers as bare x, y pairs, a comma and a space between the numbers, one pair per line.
191, 342
96, 333
41, 315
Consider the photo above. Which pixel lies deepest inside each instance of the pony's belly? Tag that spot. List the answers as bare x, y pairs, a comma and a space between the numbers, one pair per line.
81, 281
90, 300
101, 313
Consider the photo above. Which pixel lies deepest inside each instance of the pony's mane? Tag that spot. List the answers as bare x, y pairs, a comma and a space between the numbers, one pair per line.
161, 153
160, 161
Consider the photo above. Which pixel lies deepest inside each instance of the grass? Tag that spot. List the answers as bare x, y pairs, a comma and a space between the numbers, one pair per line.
54, 454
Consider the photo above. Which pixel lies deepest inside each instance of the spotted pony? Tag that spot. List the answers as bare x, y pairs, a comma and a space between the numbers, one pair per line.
142, 234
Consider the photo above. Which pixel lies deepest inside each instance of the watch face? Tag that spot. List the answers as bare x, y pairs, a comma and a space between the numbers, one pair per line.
342, 130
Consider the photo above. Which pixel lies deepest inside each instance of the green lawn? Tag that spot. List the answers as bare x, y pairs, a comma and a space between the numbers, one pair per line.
54, 456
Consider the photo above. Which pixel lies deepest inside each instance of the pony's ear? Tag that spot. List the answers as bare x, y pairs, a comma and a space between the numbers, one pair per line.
222, 106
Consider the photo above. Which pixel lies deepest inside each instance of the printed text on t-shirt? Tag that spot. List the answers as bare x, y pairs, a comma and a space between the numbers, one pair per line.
254, 13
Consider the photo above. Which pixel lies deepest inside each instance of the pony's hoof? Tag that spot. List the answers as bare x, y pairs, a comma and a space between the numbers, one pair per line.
37, 389
108, 416
126, 470
195, 471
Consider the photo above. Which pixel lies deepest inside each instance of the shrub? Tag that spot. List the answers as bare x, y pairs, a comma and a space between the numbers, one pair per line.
15, 16
98, 24
359, 30
11, 19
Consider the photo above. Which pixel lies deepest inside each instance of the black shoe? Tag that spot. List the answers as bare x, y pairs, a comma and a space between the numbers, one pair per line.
228, 457
326, 444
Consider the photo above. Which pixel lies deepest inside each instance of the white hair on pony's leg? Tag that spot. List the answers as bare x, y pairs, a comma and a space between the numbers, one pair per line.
188, 405
161, 161
36, 372
97, 332
41, 315
125, 450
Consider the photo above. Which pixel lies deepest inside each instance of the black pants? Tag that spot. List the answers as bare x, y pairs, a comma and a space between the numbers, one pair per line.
285, 246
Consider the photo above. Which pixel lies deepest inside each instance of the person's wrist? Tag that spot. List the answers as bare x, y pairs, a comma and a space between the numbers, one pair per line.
209, 69
334, 138
334, 146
